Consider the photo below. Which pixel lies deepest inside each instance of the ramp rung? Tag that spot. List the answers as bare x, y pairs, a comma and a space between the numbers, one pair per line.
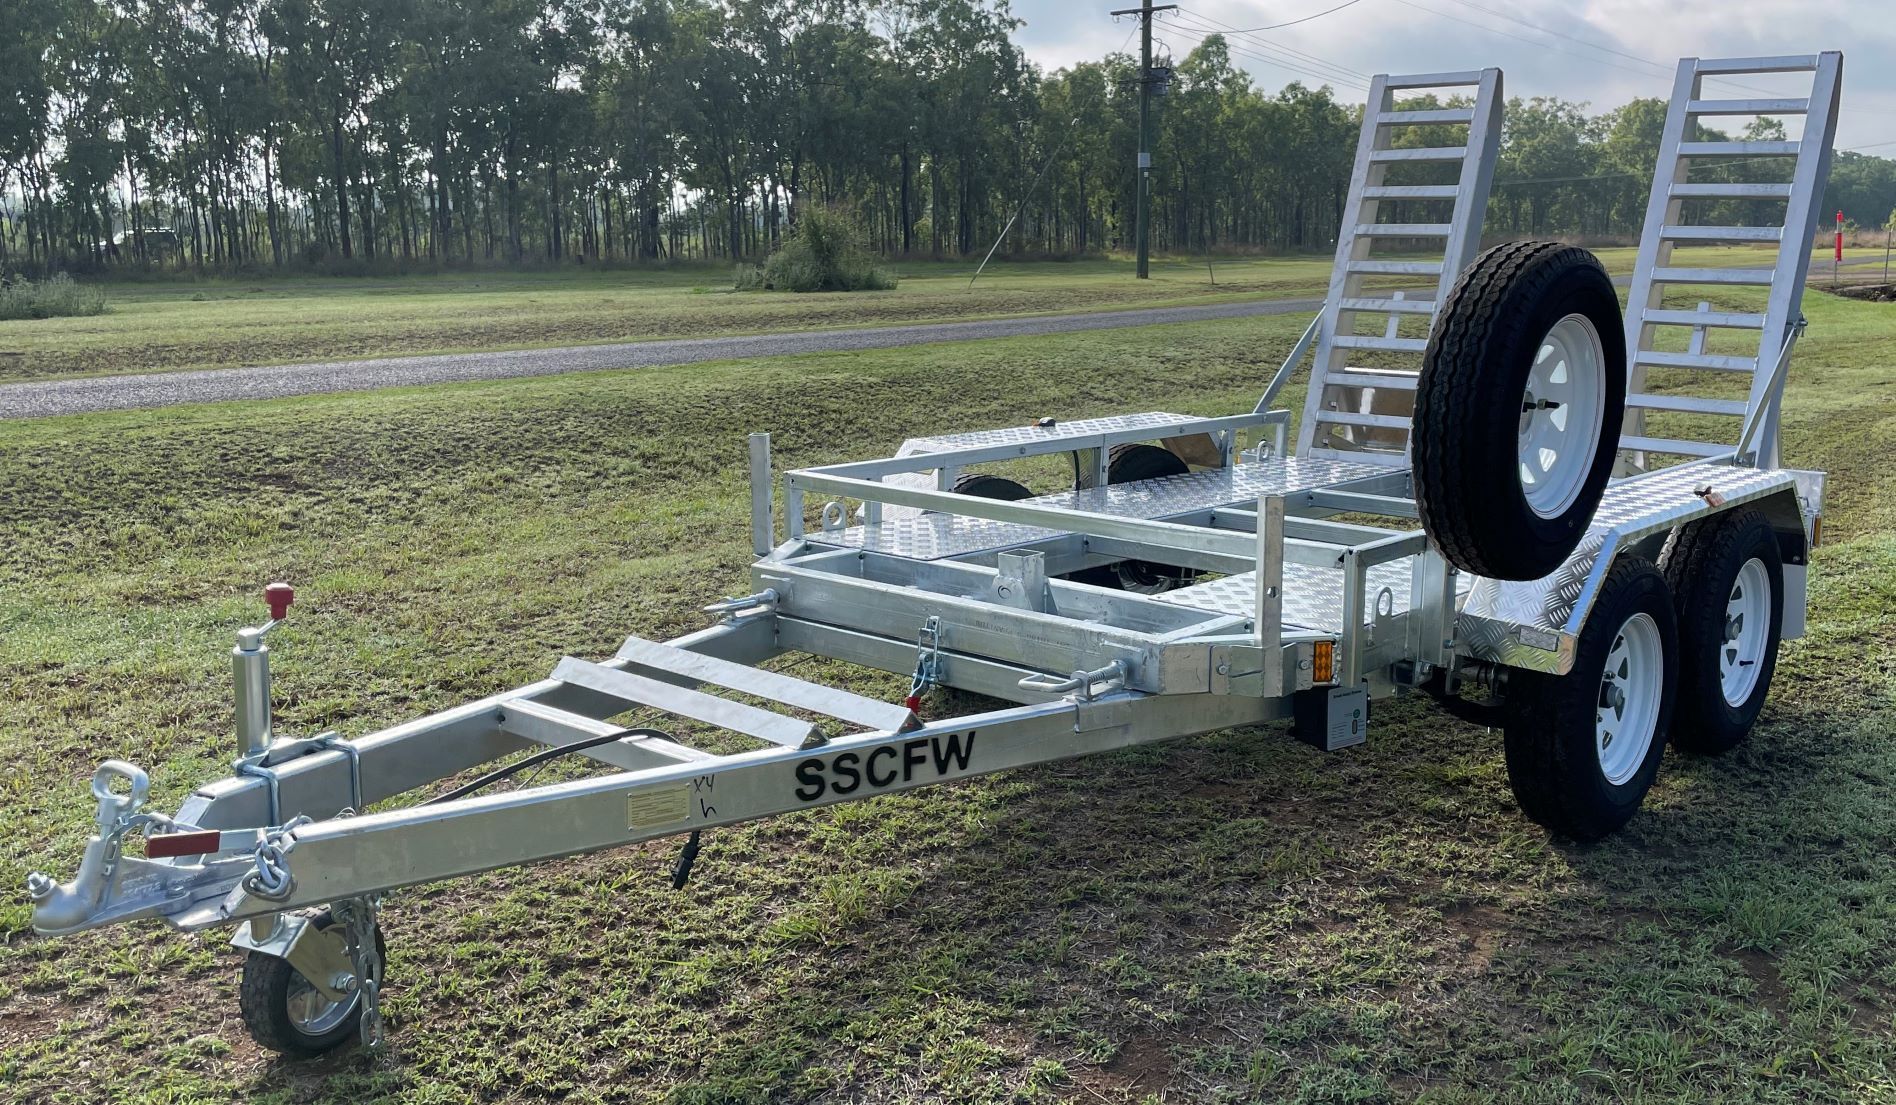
1434, 80
1425, 117
1412, 192
1420, 153
549, 725
1738, 149
1687, 404
854, 708
1403, 230
1727, 320
1787, 63
1732, 191
1675, 448
1388, 345
1395, 268
1352, 418
639, 690
1747, 107
1722, 233
1653, 359
1761, 277
1387, 306
1399, 381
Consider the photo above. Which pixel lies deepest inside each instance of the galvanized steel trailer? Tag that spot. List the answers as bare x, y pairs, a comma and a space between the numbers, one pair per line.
1198, 574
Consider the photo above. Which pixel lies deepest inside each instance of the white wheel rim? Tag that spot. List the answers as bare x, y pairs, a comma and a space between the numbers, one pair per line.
1747, 625
1628, 709
1561, 410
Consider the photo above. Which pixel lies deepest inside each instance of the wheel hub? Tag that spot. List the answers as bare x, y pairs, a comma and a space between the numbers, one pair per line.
1562, 407
1630, 688
1747, 632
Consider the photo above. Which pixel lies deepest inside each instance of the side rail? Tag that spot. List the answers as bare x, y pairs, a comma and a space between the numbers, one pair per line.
260, 872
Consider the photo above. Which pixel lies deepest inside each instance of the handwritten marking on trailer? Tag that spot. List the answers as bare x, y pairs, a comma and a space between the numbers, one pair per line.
845, 772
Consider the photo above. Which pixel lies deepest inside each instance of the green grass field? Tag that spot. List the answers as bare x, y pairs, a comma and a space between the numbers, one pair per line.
1234, 917
220, 323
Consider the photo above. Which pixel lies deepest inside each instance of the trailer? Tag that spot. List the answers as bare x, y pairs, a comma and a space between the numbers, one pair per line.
1504, 526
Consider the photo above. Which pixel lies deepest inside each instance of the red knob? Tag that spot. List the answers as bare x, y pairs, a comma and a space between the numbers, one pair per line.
279, 596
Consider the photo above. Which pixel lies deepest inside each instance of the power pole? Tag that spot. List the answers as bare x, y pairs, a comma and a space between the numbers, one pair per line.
1144, 218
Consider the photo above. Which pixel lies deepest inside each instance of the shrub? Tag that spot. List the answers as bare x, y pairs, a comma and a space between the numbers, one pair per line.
51, 298
749, 278
823, 254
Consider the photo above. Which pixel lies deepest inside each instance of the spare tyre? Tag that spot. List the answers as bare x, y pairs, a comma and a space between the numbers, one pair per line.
1518, 409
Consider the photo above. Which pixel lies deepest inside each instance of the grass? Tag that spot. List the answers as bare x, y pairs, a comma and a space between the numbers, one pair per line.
1235, 917
224, 323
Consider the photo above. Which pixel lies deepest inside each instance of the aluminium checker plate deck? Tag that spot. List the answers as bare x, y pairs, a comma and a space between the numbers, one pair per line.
1500, 619
1313, 597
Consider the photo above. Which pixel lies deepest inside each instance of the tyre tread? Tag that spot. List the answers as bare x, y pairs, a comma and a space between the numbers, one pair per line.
1545, 771
1695, 553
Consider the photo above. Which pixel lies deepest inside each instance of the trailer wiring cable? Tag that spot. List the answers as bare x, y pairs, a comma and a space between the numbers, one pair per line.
548, 755
540, 757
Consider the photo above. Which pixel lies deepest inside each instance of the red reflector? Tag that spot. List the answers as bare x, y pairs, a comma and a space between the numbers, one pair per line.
169, 845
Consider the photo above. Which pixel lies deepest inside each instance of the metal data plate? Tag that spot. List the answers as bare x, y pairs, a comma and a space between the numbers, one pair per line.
939, 536
1313, 597
1532, 624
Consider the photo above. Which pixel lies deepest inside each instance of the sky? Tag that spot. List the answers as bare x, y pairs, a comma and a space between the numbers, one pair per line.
1614, 50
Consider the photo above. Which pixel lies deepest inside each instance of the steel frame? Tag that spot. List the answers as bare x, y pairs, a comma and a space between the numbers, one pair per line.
1328, 591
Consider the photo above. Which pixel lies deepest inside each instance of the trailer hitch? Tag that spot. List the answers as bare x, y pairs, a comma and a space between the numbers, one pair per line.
111, 886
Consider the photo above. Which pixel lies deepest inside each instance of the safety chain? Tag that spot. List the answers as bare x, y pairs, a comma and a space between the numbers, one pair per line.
927, 662
271, 880
357, 916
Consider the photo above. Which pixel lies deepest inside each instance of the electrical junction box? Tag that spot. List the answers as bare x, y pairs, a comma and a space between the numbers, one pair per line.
1331, 717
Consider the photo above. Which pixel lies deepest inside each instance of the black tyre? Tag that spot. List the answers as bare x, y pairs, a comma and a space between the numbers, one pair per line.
1727, 578
1583, 748
984, 486
1518, 409
287, 1015
1129, 464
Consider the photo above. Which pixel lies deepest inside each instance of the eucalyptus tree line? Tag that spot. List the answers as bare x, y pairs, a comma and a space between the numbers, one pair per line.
365, 134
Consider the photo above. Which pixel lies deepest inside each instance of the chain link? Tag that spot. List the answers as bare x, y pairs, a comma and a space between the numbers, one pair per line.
358, 918
272, 880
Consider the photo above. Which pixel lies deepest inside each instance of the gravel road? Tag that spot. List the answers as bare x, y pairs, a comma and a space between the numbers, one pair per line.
162, 389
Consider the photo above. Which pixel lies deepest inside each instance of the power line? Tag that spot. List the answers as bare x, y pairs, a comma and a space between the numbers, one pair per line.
1292, 67
1662, 67
1562, 34
1265, 44
1517, 38
1283, 57
1305, 19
